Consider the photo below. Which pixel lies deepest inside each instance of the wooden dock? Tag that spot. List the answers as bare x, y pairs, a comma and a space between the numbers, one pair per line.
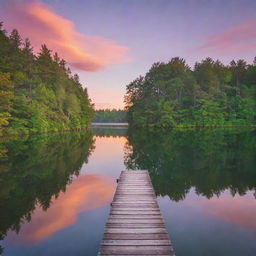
135, 225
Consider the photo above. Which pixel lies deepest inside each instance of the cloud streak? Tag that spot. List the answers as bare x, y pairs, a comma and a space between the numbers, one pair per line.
233, 40
84, 52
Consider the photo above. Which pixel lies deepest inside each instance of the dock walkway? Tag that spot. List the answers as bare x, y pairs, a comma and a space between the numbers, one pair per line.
135, 225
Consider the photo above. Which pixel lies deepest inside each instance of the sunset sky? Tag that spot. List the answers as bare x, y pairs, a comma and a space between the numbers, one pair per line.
111, 42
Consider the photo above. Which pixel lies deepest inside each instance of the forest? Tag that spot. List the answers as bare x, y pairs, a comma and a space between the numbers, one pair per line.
211, 94
110, 116
38, 92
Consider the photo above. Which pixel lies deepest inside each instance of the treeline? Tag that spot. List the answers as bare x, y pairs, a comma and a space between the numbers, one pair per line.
38, 93
212, 94
110, 116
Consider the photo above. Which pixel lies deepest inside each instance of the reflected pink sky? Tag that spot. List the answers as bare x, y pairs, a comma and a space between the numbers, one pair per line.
108, 157
85, 193
237, 210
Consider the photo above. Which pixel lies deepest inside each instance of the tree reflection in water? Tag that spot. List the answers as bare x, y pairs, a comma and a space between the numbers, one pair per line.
210, 160
35, 169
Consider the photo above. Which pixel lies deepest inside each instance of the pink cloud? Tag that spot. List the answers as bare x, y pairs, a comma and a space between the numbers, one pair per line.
38, 22
233, 40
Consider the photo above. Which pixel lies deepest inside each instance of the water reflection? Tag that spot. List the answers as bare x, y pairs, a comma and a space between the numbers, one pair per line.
34, 170
222, 225
208, 160
85, 193
110, 132
209, 176
237, 210
205, 181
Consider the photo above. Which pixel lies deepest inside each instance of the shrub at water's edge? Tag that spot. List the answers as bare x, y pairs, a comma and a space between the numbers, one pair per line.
212, 94
38, 93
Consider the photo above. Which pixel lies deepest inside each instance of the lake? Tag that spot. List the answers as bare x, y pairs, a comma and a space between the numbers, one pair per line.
56, 190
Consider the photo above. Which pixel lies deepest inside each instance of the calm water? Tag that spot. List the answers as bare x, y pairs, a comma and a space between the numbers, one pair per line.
55, 190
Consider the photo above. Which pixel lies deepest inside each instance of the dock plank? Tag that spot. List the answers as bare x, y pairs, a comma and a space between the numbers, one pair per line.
129, 221
137, 250
136, 242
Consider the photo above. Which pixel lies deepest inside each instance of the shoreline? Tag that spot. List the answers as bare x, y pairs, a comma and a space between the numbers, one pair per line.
126, 126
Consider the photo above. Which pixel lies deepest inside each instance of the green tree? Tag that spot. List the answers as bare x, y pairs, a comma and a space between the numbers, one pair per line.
38, 93
171, 94
6, 98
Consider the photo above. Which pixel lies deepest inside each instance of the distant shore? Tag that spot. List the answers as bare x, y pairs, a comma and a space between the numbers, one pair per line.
108, 125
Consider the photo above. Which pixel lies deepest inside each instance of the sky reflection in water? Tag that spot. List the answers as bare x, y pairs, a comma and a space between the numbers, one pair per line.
85, 193
209, 218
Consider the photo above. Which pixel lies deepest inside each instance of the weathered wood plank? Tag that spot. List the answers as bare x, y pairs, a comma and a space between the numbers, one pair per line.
135, 188
121, 208
135, 216
126, 184
136, 230
124, 221
123, 202
129, 193
137, 236
133, 200
135, 225
136, 242
134, 197
136, 254
133, 181
134, 212
139, 250
133, 205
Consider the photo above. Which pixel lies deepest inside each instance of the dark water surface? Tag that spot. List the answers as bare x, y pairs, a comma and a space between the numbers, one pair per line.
55, 190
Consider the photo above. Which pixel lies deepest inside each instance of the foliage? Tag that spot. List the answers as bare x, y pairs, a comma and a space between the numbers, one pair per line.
6, 98
109, 116
212, 94
38, 93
